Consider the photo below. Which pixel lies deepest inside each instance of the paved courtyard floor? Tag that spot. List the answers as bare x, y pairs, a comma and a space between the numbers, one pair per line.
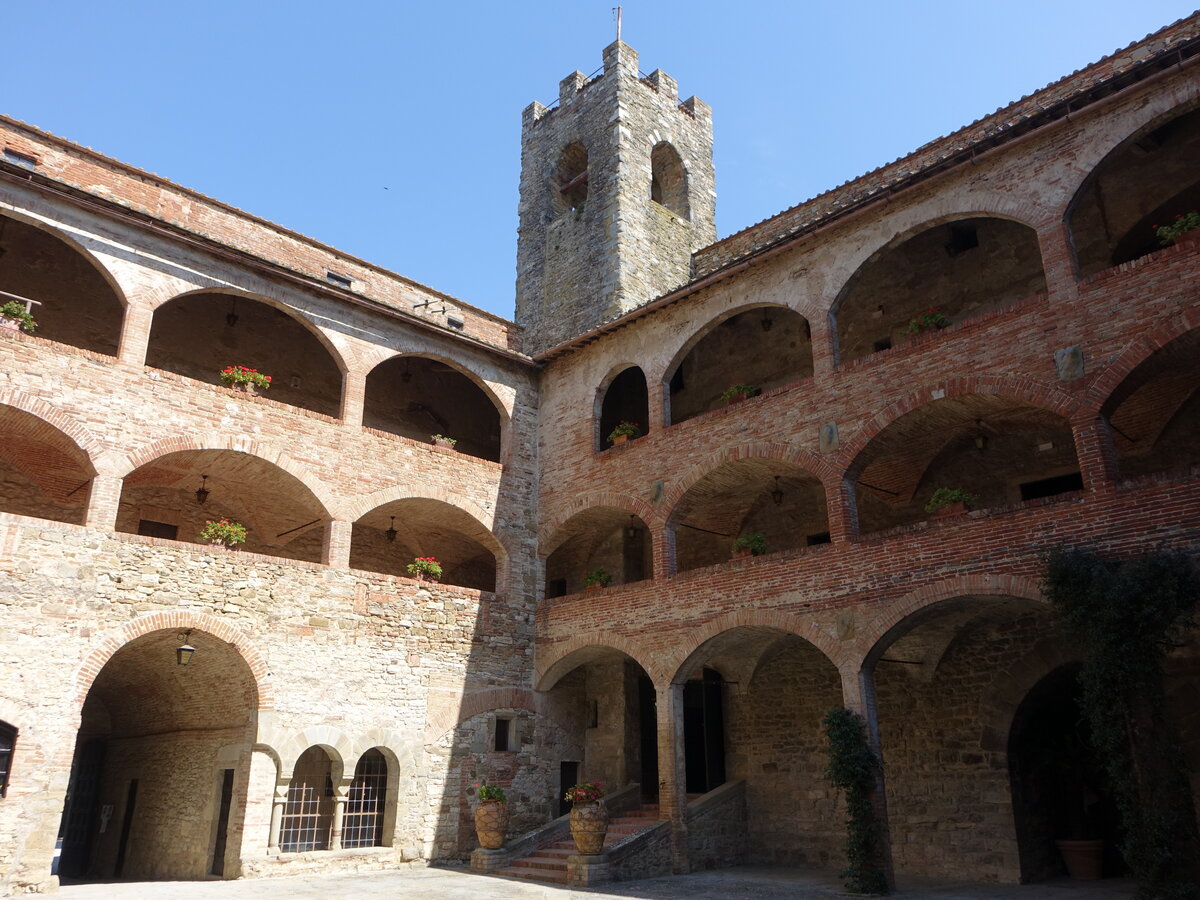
743, 883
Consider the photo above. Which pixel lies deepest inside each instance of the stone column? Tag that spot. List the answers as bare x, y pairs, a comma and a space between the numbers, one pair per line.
337, 543
672, 783
1097, 455
656, 404
135, 335
354, 393
858, 694
277, 804
104, 498
339, 813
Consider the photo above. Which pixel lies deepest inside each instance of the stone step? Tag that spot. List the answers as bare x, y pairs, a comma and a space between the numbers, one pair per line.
551, 876
541, 862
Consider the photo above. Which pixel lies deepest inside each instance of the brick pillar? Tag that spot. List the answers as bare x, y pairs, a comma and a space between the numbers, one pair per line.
135, 335
672, 782
339, 814
842, 509
354, 392
822, 345
1097, 455
657, 393
663, 550
1058, 262
858, 694
337, 543
104, 497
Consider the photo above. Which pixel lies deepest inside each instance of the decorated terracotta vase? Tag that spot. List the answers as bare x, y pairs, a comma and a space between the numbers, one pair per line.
491, 821
589, 825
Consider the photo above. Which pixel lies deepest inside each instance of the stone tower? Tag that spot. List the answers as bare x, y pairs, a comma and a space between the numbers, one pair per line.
616, 193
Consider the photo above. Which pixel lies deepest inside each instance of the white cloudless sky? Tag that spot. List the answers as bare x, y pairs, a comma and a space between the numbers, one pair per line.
391, 130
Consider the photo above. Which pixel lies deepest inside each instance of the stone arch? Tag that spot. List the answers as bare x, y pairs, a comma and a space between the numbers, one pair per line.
706, 329
669, 180
503, 407
552, 535
87, 443
477, 702
1011, 687
675, 664
622, 395
336, 744
569, 181
873, 642
355, 508
180, 620
553, 663
1026, 390
239, 443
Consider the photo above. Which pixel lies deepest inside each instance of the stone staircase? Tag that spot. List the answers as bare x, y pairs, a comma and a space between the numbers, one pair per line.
548, 862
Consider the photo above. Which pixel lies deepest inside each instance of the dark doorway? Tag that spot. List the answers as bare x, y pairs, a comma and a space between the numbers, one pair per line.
218, 861
79, 812
568, 776
648, 722
126, 827
704, 733
1059, 789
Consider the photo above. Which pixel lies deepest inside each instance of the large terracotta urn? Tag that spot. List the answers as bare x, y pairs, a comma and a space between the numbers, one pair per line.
589, 825
491, 821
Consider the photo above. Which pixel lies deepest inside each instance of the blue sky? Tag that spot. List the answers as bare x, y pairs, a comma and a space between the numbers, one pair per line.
392, 130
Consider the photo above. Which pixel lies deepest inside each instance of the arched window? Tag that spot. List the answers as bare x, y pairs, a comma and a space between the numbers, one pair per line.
572, 178
8, 738
365, 806
308, 813
668, 180
625, 400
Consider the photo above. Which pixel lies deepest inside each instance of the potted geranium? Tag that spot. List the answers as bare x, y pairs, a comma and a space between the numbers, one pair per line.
949, 502
1184, 228
441, 442
223, 532
595, 579
736, 393
491, 816
589, 817
15, 317
623, 432
425, 568
927, 321
242, 378
750, 544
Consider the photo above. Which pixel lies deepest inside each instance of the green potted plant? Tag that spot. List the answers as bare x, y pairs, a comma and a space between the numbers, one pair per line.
750, 544
14, 316
595, 579
949, 502
425, 568
589, 817
245, 379
736, 393
224, 532
441, 442
623, 432
491, 816
930, 320
1185, 227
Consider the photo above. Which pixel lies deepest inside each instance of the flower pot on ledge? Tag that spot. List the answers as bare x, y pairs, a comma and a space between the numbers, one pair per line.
620, 439
742, 553
9, 324
443, 446
589, 825
246, 388
957, 508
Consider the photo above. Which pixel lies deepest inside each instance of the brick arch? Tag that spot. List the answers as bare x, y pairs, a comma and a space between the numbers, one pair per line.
674, 664
589, 500
706, 329
552, 664
1167, 329
354, 509
869, 644
804, 459
1010, 688
174, 620
238, 443
503, 407
477, 702
88, 444
299, 315
1025, 390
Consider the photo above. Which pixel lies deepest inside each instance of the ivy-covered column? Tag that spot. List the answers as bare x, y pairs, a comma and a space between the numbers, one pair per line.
858, 695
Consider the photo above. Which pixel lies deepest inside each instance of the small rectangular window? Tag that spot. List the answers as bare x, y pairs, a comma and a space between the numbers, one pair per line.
8, 739
158, 530
504, 735
880, 346
813, 539
557, 588
455, 323
24, 160
342, 281
1048, 487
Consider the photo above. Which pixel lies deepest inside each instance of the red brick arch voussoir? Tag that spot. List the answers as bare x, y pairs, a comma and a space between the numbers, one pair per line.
1168, 328
549, 661
35, 406
547, 542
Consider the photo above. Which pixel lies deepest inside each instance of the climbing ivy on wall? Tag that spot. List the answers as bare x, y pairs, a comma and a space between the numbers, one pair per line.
1127, 616
852, 769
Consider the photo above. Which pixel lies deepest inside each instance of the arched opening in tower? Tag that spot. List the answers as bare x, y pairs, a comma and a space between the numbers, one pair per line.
668, 180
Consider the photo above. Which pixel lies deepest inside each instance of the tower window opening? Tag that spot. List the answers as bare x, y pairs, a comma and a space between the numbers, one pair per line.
572, 177
668, 180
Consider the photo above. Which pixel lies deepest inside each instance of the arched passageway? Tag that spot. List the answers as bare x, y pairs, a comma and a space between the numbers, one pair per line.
1155, 412
198, 335
624, 400
391, 536
1148, 180
417, 397
43, 473
282, 516
603, 539
75, 303
999, 450
961, 269
777, 500
763, 347
158, 783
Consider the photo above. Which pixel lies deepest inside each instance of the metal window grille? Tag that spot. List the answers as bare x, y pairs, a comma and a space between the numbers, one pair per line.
308, 812
362, 825
8, 737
